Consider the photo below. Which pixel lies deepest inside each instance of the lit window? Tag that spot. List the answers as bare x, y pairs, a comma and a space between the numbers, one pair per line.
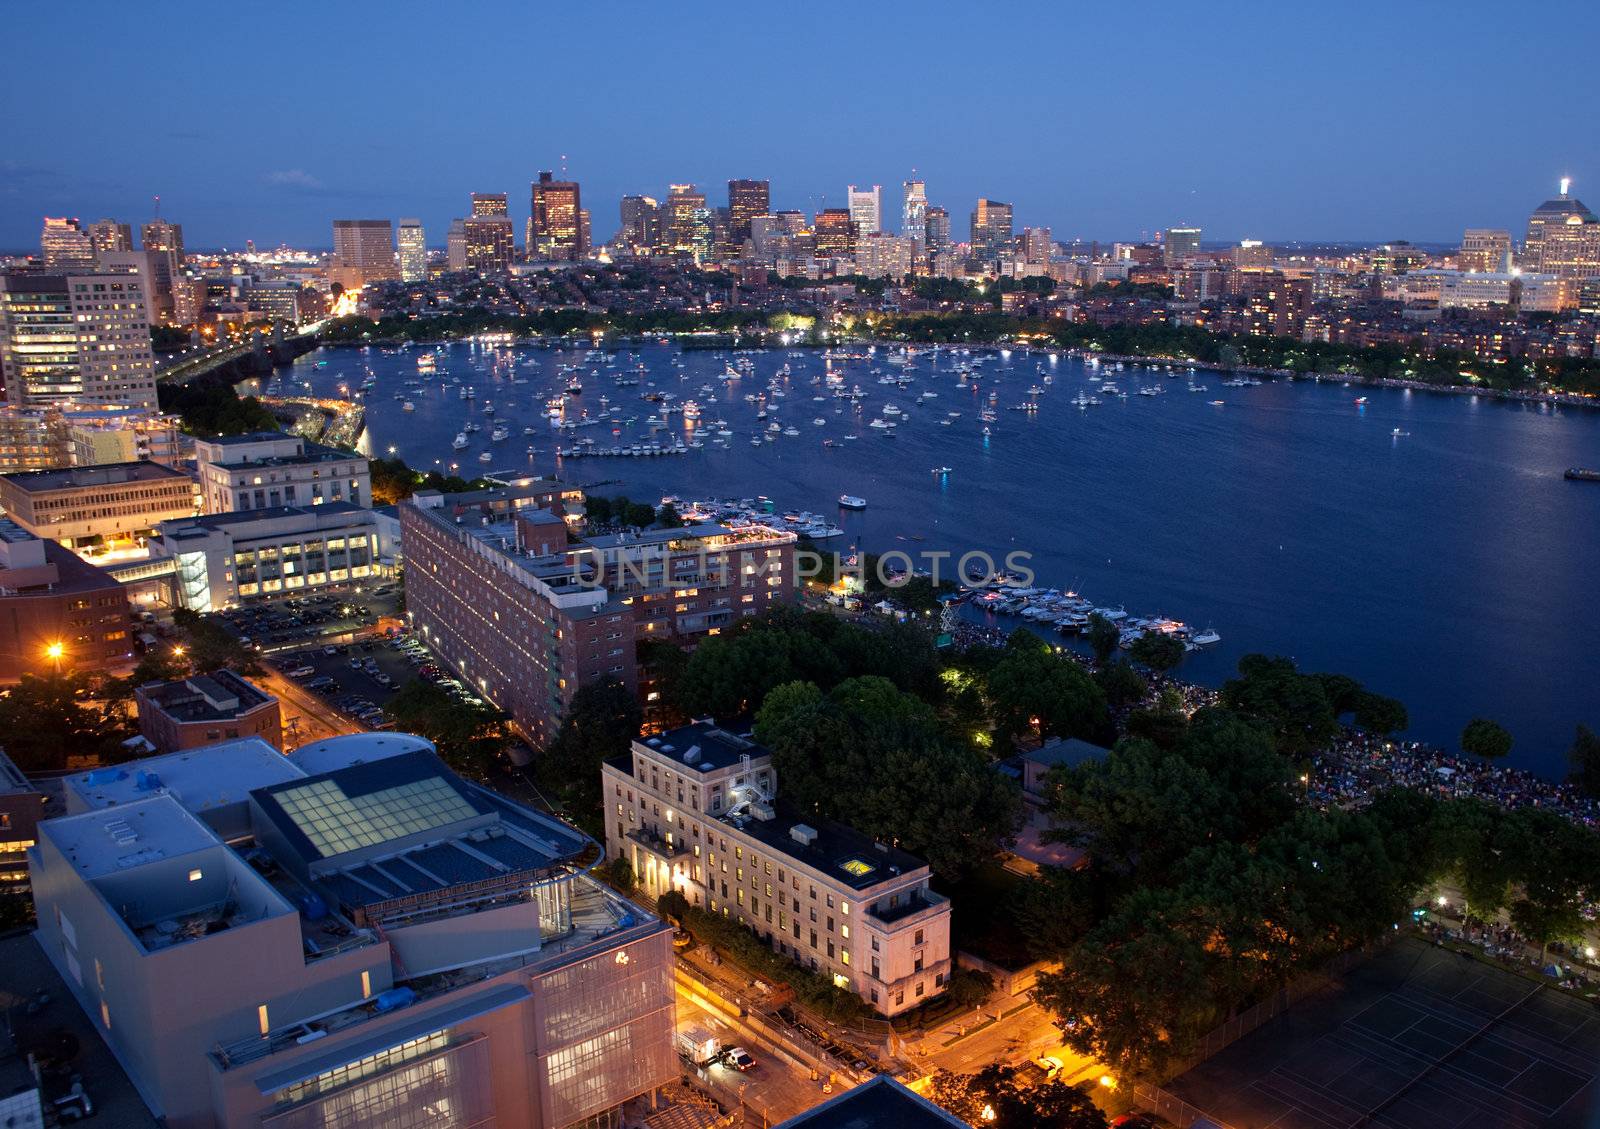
195, 875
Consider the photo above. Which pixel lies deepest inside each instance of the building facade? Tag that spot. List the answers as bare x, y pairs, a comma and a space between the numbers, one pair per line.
555, 222
65, 246
270, 468
866, 209
1485, 251
80, 339
193, 712
363, 252
490, 243
56, 609
914, 211
115, 504
412, 243
747, 199
990, 228
696, 810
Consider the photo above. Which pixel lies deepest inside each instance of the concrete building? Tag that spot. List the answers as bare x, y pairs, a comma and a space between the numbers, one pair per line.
527, 618
413, 250
118, 504
836, 233
56, 609
885, 256
696, 810
207, 708
555, 221
991, 229
1485, 251
1563, 238
65, 246
490, 242
357, 937
747, 199
21, 808
53, 438
936, 235
109, 235
866, 209
363, 252
76, 338
641, 224
222, 559
269, 468
455, 246
914, 211
1180, 245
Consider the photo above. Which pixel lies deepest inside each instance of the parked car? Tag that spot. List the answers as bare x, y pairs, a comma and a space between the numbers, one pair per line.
741, 1059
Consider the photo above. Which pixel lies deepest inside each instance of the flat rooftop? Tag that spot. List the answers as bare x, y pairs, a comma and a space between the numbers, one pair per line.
218, 696
703, 746
206, 523
878, 1103
108, 474
202, 778
837, 850
309, 453
117, 839
356, 748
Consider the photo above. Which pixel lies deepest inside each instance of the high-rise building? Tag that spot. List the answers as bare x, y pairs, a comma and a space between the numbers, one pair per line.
555, 227
936, 234
641, 224
490, 204
350, 934
1037, 246
491, 243
1180, 244
746, 200
1252, 254
866, 209
1484, 250
455, 246
413, 245
836, 233
109, 235
1563, 238
159, 235
363, 252
65, 245
76, 338
914, 211
686, 212
884, 256
990, 228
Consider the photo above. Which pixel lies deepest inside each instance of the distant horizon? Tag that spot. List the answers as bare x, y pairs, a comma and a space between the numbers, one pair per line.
1253, 119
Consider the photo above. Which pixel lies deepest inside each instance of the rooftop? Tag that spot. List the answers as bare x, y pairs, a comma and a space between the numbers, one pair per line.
308, 453
355, 748
878, 1103
200, 779
218, 696
118, 839
828, 847
206, 523
108, 474
703, 746
1070, 752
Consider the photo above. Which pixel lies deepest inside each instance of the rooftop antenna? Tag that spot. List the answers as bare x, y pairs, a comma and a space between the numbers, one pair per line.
1566, 183
158, 205
563, 166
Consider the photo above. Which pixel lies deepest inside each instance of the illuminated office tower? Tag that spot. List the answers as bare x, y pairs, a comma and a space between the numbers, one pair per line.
66, 246
455, 246
363, 252
866, 209
1484, 251
555, 222
936, 231
1037, 245
1563, 238
159, 235
914, 211
413, 246
991, 228
490, 204
836, 233
491, 242
641, 224
685, 206
746, 200
1180, 244
109, 235
78, 338
1252, 254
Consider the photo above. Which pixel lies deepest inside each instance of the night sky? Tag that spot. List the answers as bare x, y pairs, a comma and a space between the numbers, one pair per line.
1335, 121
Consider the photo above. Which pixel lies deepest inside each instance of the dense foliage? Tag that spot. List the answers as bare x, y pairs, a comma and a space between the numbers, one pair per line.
212, 407
999, 1096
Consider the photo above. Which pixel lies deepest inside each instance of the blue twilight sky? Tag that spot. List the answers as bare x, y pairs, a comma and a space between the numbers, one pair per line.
1284, 120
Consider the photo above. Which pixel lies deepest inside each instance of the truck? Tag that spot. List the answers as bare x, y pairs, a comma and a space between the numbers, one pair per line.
698, 1045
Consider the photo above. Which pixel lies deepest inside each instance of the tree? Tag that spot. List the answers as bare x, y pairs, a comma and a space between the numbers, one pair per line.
1035, 691
667, 517
49, 717
1584, 758
1295, 704
1157, 650
1103, 637
210, 646
470, 738
1121, 684
1485, 738
1378, 714
995, 1096
601, 722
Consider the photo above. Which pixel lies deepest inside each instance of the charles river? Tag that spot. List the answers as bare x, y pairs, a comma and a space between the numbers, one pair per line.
1423, 543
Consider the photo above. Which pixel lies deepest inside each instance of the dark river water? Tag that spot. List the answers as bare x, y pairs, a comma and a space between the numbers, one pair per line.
1425, 544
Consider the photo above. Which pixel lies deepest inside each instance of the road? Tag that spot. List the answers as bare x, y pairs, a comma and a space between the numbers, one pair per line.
306, 716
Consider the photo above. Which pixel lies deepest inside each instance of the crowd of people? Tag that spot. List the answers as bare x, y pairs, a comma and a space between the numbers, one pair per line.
1358, 765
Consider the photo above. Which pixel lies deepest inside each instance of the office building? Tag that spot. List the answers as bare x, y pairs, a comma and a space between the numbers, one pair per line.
490, 242
159, 235
1563, 238
685, 215
555, 225
56, 609
189, 713
455, 246
109, 235
66, 247
363, 252
21, 808
115, 506
697, 810
836, 233
885, 256
936, 235
351, 935
746, 200
641, 224
491, 204
866, 209
1252, 254
79, 339
1180, 244
990, 229
413, 251
1037, 246
268, 469
527, 617
1484, 250
223, 559
914, 211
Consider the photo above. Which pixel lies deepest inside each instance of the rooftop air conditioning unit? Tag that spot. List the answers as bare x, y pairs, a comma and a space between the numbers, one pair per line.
803, 834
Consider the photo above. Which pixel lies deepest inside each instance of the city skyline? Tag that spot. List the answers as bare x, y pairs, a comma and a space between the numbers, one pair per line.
1087, 140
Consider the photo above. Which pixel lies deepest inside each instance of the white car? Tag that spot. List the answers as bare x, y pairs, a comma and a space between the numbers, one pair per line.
741, 1059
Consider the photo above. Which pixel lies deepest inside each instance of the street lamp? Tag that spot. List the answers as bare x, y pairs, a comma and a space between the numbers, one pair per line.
54, 652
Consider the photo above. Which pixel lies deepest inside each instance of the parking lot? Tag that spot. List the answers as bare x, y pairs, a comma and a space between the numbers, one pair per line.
275, 623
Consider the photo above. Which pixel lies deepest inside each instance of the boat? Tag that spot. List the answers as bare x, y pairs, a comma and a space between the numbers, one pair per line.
1582, 474
1361, 399
1206, 638
460, 440
485, 457
408, 406
940, 470
851, 502
1397, 433
1218, 403
500, 433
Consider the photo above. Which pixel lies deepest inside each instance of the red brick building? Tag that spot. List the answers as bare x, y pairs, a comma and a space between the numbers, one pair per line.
206, 709
57, 611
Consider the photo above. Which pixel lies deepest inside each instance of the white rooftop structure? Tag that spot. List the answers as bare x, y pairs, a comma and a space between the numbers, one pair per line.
356, 748
117, 840
200, 779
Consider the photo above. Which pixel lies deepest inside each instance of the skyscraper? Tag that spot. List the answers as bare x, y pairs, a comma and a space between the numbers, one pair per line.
78, 338
641, 224
866, 209
1037, 245
836, 233
1484, 251
490, 204
413, 245
991, 228
455, 246
363, 252
109, 235
914, 211
491, 242
1180, 244
1563, 238
936, 233
159, 235
555, 228
746, 200
65, 245
686, 213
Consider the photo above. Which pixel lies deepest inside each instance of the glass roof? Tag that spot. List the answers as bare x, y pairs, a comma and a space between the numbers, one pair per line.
337, 823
